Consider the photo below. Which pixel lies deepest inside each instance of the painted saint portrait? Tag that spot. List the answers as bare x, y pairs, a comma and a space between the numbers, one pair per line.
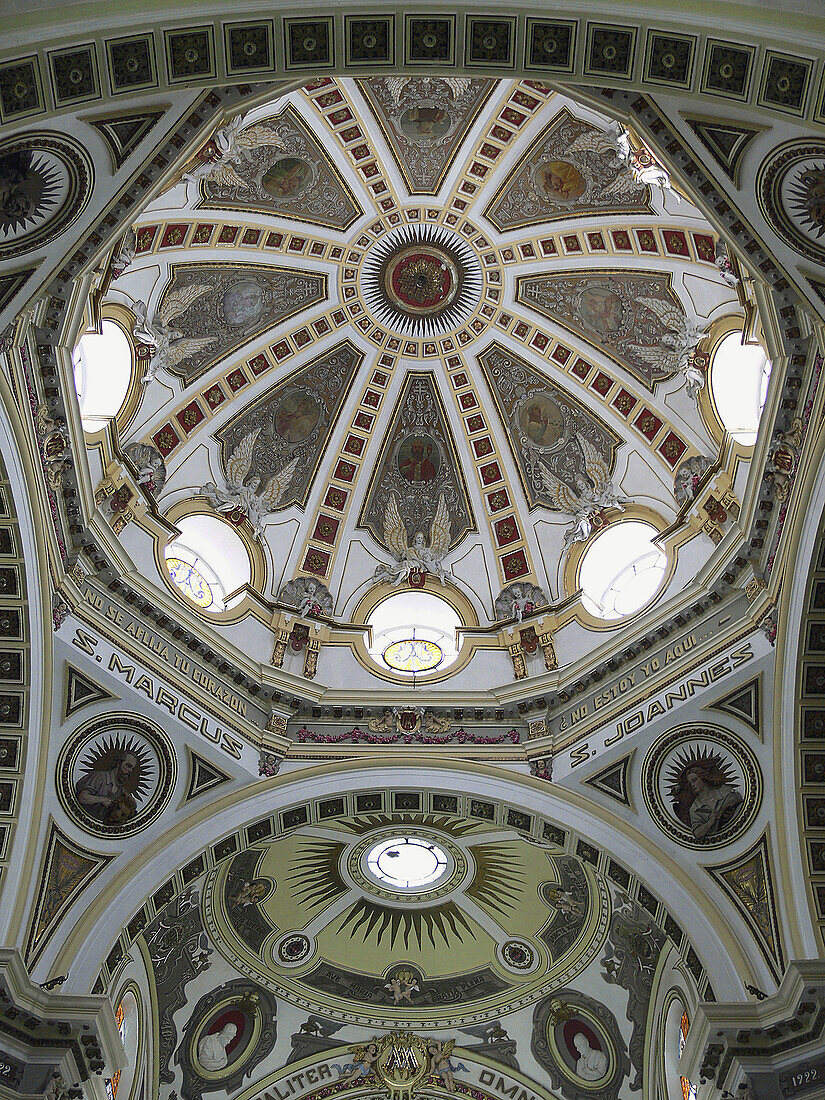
243, 303
560, 180
296, 416
249, 892
418, 459
807, 199
114, 779
29, 189
704, 792
425, 123
116, 774
541, 420
600, 310
287, 178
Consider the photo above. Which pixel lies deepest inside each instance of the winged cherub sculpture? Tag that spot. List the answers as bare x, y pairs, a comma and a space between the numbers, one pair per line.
169, 345
592, 494
674, 351
418, 556
239, 495
233, 146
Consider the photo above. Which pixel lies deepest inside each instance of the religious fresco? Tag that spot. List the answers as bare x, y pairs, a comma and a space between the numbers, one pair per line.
791, 192
636, 318
424, 120
572, 169
45, 181
283, 170
702, 786
115, 775
563, 451
418, 490
312, 912
279, 439
209, 310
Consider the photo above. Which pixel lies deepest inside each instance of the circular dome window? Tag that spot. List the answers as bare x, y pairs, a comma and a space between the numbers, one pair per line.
207, 562
622, 570
102, 371
407, 862
414, 632
739, 377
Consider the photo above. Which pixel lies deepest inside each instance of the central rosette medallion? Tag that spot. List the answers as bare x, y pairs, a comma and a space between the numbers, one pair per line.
421, 280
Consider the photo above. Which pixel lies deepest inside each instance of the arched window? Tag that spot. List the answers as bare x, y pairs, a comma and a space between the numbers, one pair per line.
621, 570
413, 633
688, 1090
207, 562
739, 376
102, 372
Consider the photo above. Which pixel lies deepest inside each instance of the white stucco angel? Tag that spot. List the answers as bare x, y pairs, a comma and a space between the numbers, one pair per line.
418, 555
234, 145
256, 505
170, 346
125, 254
648, 171
674, 350
590, 496
612, 143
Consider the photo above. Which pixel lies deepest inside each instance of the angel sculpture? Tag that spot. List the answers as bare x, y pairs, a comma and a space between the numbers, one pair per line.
593, 494
458, 85
238, 495
169, 345
418, 557
612, 142
233, 145
674, 350
648, 171
126, 253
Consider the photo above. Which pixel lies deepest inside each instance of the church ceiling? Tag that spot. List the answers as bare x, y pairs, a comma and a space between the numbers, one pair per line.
578, 313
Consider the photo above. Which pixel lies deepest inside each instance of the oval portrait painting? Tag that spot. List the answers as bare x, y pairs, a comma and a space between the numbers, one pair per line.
541, 420
296, 416
116, 774
243, 302
419, 459
425, 122
600, 310
701, 785
287, 178
560, 181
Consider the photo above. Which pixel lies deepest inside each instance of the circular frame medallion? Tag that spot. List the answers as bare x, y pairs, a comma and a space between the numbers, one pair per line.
116, 774
791, 193
702, 786
45, 182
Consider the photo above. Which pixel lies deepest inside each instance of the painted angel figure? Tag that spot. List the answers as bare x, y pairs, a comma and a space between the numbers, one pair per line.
238, 494
170, 345
418, 556
402, 986
592, 494
441, 1064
